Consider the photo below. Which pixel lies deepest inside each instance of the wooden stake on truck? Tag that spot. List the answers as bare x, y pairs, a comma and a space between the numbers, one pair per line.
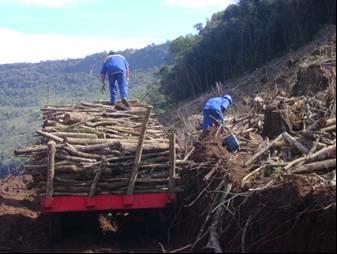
173, 157
51, 169
139, 152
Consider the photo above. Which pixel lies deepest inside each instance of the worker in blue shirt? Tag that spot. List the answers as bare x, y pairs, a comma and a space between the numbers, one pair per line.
214, 110
117, 68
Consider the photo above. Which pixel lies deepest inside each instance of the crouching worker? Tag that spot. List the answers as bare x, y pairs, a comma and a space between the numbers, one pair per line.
213, 111
117, 69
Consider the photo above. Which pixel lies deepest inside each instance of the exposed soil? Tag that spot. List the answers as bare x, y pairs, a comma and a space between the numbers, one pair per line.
21, 225
208, 147
24, 229
290, 217
294, 213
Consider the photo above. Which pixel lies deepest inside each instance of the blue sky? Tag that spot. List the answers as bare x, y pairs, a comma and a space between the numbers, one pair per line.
35, 30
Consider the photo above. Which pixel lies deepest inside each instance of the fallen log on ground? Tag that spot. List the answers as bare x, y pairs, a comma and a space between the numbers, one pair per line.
316, 167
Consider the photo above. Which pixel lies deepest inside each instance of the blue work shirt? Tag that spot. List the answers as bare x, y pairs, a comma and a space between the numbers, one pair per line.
114, 64
218, 104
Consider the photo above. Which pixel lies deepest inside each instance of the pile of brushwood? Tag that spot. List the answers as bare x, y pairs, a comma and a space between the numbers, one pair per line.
96, 148
279, 192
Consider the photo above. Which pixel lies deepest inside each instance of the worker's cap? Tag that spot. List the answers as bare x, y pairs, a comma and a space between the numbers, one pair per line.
229, 98
111, 52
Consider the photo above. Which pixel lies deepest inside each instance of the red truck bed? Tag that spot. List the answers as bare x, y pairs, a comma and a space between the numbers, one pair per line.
106, 202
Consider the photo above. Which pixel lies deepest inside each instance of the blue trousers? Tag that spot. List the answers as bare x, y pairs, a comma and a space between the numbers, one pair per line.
122, 85
209, 122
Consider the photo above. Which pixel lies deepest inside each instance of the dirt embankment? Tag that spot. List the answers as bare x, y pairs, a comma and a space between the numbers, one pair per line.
21, 227
277, 213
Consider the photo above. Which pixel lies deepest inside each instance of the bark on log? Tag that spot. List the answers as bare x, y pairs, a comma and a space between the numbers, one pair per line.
322, 166
90, 148
99, 106
293, 141
74, 110
323, 154
148, 148
331, 128
126, 142
75, 135
75, 117
50, 136
129, 158
45, 165
35, 149
85, 141
73, 151
73, 158
260, 153
69, 169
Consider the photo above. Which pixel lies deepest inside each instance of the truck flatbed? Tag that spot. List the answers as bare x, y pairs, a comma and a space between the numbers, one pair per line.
62, 204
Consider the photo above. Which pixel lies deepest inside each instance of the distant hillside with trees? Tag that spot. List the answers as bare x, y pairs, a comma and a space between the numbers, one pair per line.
26, 87
245, 36
27, 84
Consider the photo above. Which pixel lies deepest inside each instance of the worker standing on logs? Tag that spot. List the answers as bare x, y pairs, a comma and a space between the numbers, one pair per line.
213, 111
117, 68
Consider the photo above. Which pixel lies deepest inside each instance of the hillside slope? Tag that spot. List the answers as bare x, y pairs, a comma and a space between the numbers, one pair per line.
271, 211
245, 36
278, 75
278, 192
26, 84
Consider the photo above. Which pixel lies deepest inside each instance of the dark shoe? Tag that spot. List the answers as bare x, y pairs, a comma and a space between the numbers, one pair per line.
126, 103
121, 107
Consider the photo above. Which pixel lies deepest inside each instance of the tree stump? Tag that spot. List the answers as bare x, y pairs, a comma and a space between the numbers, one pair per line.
311, 79
277, 121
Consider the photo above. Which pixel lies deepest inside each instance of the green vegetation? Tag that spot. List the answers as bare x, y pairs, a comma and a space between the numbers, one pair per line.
240, 39
25, 88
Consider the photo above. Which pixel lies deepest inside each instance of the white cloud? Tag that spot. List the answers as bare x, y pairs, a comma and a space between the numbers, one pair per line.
197, 4
21, 47
47, 3
50, 3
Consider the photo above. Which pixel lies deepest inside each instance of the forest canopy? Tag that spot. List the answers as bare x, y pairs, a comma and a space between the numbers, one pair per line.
240, 39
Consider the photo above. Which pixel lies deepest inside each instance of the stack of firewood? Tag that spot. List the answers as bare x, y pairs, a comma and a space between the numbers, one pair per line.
95, 148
